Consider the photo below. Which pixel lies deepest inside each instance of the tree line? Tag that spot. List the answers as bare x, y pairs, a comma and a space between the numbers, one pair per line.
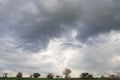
67, 76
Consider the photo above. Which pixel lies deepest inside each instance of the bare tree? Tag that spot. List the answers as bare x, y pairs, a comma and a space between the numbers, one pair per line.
67, 72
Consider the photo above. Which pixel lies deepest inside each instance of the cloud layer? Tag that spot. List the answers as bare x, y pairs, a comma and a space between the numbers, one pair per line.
36, 22
56, 30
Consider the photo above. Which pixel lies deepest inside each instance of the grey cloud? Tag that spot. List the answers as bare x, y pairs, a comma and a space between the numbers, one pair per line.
35, 29
33, 23
99, 17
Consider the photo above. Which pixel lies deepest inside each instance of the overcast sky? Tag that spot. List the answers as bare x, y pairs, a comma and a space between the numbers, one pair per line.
51, 35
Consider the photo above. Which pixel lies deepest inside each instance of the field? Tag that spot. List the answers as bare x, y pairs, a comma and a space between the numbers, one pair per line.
48, 79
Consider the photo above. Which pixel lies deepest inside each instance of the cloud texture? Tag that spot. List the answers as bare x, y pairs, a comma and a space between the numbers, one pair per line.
33, 23
39, 26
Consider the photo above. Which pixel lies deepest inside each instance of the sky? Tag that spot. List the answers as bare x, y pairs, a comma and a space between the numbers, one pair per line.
50, 35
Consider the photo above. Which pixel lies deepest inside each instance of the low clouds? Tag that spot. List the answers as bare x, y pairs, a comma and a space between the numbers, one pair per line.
29, 26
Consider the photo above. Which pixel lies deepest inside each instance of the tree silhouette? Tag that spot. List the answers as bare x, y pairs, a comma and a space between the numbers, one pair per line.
50, 76
36, 75
5, 74
86, 75
90, 76
19, 75
66, 72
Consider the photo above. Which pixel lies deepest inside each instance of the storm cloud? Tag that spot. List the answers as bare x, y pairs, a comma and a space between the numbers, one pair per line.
45, 27
33, 23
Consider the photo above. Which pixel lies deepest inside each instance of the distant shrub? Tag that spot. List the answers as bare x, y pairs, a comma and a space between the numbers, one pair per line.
36, 75
86, 75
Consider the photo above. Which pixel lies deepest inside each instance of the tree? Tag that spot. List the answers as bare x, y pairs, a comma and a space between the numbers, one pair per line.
86, 75
19, 75
67, 72
31, 75
57, 76
114, 76
36, 75
90, 76
50, 76
5, 74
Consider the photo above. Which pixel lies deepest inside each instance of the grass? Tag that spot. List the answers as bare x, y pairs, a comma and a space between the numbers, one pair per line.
48, 79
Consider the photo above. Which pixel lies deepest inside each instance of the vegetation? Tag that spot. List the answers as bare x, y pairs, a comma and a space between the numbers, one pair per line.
66, 73
5, 74
36, 75
50, 79
50, 76
86, 75
19, 75
57, 76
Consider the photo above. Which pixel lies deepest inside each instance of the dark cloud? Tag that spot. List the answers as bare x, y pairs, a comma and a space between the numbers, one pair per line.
34, 22
99, 17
